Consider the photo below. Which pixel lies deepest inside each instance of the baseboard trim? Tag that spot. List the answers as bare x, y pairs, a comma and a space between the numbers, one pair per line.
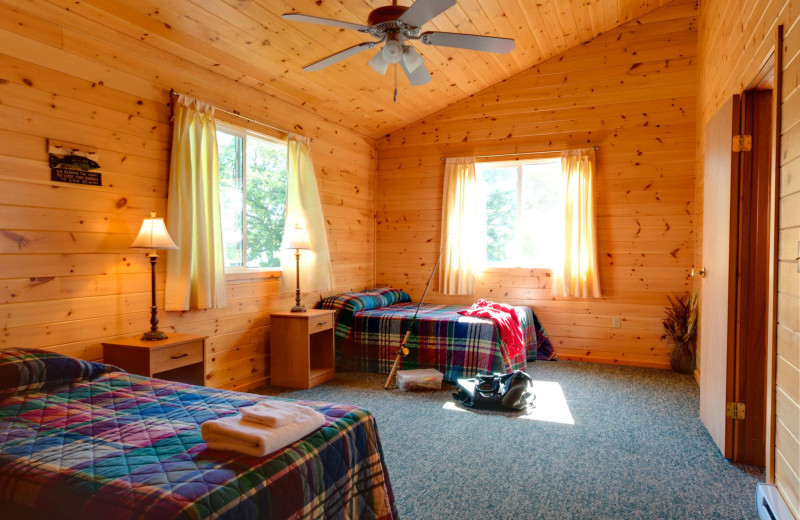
616, 361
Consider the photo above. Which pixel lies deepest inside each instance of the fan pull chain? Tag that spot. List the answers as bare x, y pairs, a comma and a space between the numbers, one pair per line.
395, 83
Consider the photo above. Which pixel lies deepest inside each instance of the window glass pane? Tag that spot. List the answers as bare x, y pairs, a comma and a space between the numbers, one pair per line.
541, 214
231, 196
498, 187
266, 201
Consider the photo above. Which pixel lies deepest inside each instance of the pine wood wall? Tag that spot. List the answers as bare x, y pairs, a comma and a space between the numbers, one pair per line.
632, 92
736, 39
68, 280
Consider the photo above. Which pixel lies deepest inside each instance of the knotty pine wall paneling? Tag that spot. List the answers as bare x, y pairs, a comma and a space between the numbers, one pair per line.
632, 92
736, 38
68, 280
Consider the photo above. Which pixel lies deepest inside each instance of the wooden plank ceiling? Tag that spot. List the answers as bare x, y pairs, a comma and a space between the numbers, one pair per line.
248, 41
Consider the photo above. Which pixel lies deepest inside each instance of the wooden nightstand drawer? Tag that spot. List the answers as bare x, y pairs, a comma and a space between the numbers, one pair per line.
180, 357
176, 356
318, 323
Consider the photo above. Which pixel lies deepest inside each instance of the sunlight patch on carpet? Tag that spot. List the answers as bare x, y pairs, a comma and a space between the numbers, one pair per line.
450, 405
550, 404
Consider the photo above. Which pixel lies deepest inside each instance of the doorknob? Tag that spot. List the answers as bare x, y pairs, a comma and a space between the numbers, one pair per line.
701, 272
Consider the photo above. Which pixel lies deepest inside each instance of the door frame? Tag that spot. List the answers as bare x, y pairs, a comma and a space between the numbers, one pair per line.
770, 77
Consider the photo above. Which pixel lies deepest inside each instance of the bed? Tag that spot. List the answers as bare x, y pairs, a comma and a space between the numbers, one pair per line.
85, 440
370, 326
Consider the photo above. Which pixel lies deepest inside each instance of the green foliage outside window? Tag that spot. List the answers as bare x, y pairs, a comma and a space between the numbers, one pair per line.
266, 202
500, 188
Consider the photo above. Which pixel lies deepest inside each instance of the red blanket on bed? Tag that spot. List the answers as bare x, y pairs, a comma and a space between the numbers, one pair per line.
505, 318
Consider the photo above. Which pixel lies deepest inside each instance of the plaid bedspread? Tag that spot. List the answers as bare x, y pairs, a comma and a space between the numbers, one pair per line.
128, 447
457, 346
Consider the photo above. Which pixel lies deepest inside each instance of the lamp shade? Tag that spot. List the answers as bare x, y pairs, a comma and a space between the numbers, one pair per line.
153, 235
411, 58
378, 64
392, 51
297, 238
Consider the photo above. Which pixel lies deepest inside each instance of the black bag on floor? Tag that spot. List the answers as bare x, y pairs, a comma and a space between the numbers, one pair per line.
510, 391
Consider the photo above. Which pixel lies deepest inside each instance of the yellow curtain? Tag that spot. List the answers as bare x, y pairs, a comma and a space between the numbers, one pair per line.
459, 222
303, 208
576, 275
196, 271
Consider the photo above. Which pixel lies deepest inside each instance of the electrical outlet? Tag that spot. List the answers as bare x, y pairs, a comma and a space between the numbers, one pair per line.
616, 322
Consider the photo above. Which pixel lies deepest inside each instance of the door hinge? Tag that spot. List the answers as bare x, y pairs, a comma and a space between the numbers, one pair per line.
742, 143
734, 410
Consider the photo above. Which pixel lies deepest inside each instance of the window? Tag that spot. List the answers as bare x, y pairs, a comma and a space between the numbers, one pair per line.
252, 194
522, 204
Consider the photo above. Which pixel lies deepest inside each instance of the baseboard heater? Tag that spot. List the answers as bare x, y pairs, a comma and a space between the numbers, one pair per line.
770, 504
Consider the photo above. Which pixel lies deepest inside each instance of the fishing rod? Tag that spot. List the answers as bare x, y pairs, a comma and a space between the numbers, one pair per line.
403, 351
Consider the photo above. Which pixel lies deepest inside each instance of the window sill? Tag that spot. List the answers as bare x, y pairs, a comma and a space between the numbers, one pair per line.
520, 271
251, 275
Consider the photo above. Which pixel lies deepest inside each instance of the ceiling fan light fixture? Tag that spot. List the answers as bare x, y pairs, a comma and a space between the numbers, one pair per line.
393, 26
411, 58
392, 52
378, 64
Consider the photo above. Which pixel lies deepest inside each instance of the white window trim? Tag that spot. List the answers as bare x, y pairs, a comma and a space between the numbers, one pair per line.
235, 273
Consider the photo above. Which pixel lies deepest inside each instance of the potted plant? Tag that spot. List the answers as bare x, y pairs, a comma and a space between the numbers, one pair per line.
680, 328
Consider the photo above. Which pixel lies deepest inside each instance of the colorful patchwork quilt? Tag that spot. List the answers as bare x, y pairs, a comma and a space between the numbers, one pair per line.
120, 446
370, 327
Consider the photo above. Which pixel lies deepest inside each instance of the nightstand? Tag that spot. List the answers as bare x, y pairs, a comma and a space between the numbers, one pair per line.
180, 357
301, 348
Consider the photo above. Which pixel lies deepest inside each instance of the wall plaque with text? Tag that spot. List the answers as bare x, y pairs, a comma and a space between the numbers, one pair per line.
73, 163
76, 176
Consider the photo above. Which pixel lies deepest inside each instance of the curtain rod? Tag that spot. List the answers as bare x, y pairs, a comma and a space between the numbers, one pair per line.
174, 92
515, 154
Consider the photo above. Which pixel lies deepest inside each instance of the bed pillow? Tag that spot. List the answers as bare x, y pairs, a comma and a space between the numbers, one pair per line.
364, 300
22, 370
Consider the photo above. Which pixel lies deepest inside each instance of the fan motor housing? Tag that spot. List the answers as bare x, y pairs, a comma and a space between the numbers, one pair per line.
387, 13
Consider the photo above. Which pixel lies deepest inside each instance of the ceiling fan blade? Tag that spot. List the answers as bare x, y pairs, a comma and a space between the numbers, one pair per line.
419, 76
468, 41
423, 11
297, 17
339, 56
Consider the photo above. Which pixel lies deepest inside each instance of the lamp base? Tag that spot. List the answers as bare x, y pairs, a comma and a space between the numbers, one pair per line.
298, 308
153, 335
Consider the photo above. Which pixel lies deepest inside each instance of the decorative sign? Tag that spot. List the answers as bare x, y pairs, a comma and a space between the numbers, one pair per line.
76, 176
73, 163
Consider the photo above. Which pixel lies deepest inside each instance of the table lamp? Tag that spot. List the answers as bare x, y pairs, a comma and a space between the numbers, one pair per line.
297, 240
153, 236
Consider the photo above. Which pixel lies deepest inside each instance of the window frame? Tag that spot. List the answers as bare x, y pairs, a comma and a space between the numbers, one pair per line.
243, 273
518, 163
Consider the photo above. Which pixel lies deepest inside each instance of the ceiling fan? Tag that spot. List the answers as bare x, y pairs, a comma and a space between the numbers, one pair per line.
394, 25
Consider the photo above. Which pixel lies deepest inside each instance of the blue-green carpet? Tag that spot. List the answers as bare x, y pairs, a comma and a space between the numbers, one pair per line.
603, 442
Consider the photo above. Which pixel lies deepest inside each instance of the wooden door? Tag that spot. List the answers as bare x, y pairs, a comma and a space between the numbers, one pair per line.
718, 296
735, 297
753, 265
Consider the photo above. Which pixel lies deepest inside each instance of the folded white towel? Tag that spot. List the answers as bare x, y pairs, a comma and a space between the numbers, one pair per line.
232, 433
273, 413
